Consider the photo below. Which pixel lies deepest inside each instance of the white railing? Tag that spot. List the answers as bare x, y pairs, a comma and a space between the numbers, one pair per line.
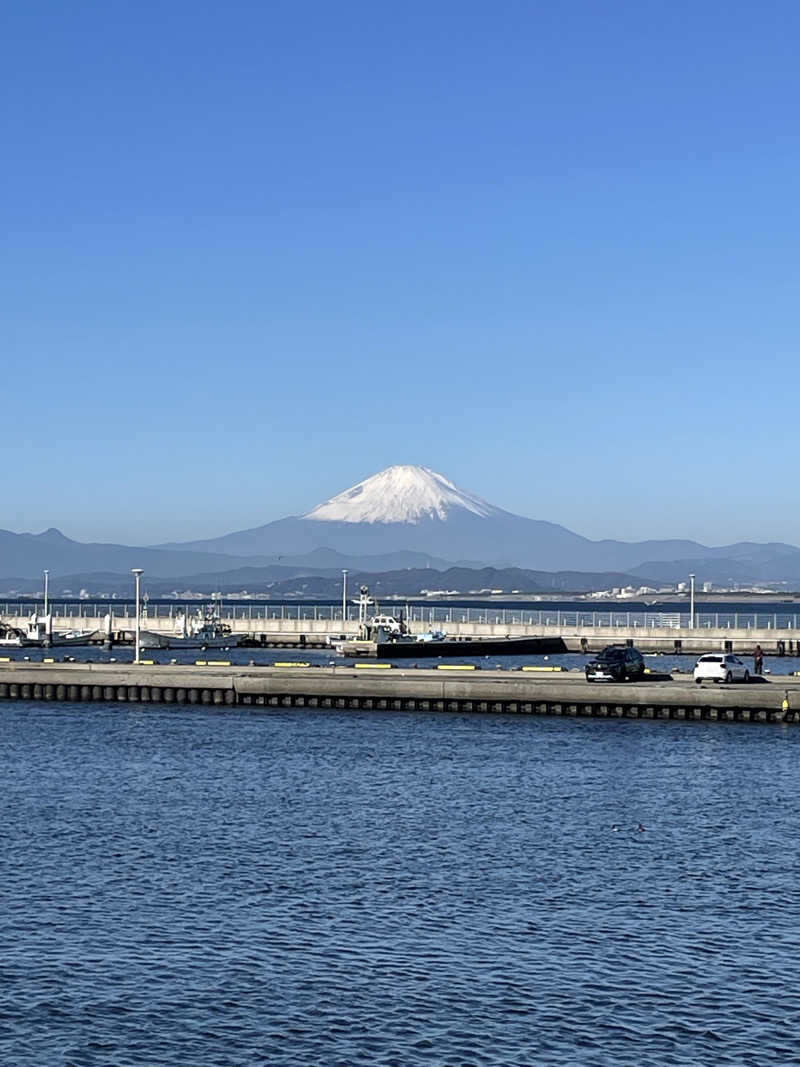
424, 615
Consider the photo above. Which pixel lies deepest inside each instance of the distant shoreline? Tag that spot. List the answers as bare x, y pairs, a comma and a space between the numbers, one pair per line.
587, 602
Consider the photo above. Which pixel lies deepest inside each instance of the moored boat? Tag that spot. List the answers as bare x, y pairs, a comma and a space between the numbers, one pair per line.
486, 646
205, 630
39, 634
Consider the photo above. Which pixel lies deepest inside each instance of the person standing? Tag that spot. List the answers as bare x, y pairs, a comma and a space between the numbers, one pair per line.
758, 660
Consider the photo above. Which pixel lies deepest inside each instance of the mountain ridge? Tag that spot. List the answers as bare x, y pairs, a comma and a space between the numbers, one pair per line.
439, 522
413, 514
27, 555
279, 581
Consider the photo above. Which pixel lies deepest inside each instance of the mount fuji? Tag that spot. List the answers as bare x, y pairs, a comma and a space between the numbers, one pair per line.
401, 494
404, 508
399, 518
415, 509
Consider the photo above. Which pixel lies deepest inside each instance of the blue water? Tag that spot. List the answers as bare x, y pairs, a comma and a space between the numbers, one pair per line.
571, 661
233, 887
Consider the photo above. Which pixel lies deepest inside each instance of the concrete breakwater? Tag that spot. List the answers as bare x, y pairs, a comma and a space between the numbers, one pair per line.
317, 633
448, 688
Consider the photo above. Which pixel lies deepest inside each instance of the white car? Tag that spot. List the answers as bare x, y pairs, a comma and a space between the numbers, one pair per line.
720, 667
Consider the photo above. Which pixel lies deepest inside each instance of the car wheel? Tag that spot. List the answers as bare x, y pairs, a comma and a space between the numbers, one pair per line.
698, 681
728, 678
622, 676
746, 676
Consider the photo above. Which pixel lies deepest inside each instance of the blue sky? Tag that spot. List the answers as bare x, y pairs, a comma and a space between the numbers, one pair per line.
255, 252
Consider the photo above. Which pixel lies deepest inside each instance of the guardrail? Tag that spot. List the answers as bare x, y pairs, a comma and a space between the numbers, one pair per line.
424, 615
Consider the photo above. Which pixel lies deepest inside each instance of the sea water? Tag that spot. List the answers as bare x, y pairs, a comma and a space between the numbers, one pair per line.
661, 663
207, 886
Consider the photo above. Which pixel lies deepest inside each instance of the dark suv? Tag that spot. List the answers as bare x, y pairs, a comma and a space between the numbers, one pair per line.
617, 663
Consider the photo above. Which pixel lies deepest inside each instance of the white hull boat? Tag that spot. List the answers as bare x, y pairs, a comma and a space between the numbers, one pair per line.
200, 632
150, 639
38, 634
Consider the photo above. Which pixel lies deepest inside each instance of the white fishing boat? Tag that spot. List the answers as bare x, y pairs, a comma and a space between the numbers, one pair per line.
381, 629
202, 631
39, 633
72, 637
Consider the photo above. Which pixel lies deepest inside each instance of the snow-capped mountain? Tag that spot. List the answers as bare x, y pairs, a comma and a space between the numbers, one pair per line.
415, 509
401, 494
422, 516
411, 509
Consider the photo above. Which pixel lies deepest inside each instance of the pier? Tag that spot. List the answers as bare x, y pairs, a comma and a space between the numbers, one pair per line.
377, 686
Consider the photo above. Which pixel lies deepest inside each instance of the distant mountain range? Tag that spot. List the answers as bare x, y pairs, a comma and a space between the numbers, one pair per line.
416, 509
404, 517
287, 581
27, 555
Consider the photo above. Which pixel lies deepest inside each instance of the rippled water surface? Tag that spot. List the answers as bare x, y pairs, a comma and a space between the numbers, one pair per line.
571, 661
226, 887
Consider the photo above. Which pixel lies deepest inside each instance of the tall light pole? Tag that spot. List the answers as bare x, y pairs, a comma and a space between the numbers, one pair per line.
46, 583
138, 572
344, 595
691, 601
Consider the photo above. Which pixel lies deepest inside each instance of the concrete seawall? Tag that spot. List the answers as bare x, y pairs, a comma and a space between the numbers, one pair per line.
394, 689
317, 632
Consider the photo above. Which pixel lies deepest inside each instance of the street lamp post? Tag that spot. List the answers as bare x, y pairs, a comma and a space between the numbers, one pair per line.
138, 572
46, 584
344, 595
691, 601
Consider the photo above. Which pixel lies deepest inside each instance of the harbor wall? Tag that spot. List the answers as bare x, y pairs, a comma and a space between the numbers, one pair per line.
783, 641
396, 689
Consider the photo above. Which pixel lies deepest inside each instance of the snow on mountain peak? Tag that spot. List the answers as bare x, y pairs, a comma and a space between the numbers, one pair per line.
400, 494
